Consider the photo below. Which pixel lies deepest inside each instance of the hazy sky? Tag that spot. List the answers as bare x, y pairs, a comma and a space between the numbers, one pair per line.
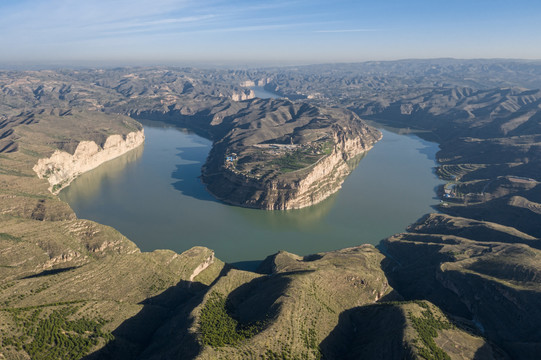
252, 32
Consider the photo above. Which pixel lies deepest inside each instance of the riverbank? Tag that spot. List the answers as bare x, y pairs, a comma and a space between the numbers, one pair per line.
370, 206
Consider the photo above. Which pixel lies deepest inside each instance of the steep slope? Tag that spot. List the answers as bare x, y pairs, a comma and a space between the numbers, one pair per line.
288, 155
84, 277
485, 275
308, 308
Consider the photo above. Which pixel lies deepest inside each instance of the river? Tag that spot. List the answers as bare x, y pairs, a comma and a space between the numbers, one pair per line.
260, 92
154, 196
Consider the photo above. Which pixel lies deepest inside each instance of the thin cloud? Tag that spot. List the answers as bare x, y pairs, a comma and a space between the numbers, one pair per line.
208, 30
150, 25
249, 28
346, 30
178, 20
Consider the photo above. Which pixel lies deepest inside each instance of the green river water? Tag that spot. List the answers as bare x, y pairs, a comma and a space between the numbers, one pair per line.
154, 196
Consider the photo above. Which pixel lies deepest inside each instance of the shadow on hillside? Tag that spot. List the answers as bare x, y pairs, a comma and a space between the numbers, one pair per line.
249, 265
50, 272
484, 290
161, 328
488, 351
257, 300
414, 276
367, 332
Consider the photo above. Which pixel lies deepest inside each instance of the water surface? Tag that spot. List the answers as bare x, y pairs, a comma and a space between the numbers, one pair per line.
154, 196
260, 92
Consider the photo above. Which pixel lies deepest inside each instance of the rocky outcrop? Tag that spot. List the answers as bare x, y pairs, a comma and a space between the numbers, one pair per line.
243, 95
328, 174
259, 82
61, 168
205, 264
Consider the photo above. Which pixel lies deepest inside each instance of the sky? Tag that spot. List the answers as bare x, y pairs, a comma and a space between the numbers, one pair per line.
265, 32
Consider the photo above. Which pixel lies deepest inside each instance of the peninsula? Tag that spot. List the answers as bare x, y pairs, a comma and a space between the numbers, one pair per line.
292, 157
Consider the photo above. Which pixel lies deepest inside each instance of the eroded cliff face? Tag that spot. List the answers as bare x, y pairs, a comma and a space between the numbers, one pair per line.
328, 174
61, 168
297, 189
259, 82
243, 95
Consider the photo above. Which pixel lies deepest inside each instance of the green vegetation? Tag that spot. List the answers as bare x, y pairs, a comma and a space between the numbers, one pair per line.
30, 153
314, 293
34, 196
296, 160
311, 341
284, 355
52, 334
58, 186
4, 236
7, 285
492, 133
218, 328
427, 327
327, 147
4, 171
292, 162
304, 156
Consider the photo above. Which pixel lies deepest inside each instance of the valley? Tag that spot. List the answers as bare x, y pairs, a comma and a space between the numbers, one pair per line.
460, 283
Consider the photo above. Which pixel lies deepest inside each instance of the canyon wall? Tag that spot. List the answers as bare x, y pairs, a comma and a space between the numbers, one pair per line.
61, 168
259, 82
247, 94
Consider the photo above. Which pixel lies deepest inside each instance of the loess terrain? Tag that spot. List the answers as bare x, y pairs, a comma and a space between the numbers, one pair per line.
463, 283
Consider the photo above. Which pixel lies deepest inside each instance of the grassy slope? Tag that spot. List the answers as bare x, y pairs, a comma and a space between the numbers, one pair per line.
305, 308
63, 266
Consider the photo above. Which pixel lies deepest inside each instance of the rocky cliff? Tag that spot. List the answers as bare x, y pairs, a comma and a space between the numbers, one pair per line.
246, 94
61, 168
258, 82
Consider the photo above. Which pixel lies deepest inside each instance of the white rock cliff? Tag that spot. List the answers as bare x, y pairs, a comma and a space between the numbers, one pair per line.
61, 168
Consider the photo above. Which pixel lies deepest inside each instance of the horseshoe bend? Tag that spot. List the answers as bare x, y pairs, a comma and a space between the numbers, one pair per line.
273, 154
296, 156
